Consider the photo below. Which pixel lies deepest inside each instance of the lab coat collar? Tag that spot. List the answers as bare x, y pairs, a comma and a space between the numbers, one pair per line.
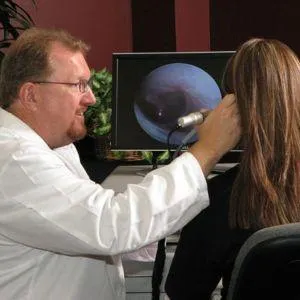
18, 128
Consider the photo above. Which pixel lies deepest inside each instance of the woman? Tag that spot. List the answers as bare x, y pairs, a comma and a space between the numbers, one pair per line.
263, 191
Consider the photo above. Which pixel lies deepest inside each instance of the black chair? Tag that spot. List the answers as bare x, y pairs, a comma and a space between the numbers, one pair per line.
268, 265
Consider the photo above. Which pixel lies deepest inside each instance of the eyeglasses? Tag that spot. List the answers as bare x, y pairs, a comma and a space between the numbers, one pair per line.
83, 85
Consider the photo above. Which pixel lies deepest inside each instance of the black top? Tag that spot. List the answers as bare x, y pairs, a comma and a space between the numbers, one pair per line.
207, 247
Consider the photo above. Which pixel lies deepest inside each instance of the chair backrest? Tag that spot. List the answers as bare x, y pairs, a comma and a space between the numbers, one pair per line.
268, 265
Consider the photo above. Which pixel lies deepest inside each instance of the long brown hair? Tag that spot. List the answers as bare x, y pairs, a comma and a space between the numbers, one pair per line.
264, 75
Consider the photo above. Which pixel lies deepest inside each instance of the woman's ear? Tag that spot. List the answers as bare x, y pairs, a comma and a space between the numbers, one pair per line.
27, 95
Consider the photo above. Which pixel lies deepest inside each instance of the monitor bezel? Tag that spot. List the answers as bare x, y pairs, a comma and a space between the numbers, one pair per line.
146, 55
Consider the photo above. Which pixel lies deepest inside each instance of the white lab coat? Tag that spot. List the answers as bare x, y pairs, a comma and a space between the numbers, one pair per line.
61, 234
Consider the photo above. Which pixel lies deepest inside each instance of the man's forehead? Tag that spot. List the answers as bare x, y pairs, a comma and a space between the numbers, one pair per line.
62, 57
60, 52
63, 60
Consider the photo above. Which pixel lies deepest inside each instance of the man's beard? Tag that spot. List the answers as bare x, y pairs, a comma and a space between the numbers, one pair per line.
77, 132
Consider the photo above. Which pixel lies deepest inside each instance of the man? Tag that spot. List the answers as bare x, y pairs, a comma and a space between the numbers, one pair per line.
60, 233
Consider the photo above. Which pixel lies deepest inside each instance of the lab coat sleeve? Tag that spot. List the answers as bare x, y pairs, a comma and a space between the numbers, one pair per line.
43, 204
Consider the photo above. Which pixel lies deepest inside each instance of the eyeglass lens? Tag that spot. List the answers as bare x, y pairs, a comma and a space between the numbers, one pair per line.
84, 85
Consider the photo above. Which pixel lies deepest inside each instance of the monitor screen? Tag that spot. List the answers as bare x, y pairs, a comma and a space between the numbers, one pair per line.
152, 90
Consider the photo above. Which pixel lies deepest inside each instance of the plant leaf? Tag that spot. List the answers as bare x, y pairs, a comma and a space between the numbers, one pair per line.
164, 156
147, 156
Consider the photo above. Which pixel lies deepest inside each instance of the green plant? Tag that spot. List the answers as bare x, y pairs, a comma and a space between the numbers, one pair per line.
98, 116
155, 158
13, 19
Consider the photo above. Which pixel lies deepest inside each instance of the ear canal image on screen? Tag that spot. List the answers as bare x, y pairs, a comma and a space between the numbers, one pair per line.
169, 92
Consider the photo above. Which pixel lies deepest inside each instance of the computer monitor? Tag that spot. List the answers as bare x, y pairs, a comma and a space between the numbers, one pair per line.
152, 90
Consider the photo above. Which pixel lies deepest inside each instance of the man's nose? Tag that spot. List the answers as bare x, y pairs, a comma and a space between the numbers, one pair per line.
89, 97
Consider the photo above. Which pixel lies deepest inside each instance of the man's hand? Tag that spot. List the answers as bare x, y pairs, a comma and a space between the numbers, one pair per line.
219, 133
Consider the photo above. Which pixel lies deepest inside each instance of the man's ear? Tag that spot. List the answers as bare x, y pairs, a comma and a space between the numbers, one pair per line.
28, 96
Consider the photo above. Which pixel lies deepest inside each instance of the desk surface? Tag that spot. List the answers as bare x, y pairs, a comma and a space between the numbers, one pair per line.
124, 175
